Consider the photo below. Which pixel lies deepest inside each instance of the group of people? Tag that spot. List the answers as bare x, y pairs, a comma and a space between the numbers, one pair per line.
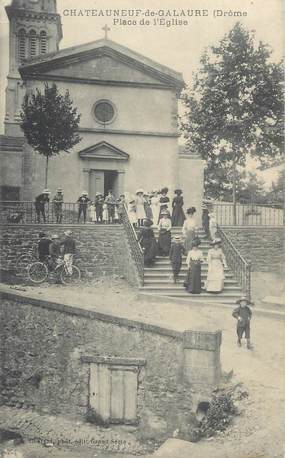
101, 210
151, 205
185, 244
50, 249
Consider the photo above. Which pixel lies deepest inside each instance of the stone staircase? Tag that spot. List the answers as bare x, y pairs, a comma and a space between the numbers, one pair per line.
157, 278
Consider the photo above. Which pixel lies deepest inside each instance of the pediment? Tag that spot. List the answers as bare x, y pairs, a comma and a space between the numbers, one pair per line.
103, 150
101, 61
102, 68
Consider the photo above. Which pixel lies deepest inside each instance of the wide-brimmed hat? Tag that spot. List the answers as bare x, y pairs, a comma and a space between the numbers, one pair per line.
46, 191
164, 190
244, 298
68, 233
140, 191
84, 193
177, 237
55, 236
98, 194
178, 191
147, 222
191, 210
59, 190
216, 241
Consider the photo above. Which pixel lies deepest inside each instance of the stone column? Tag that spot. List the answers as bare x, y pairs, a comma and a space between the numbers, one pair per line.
202, 366
120, 182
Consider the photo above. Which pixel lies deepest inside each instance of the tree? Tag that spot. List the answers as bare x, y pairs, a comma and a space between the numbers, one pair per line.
49, 122
235, 106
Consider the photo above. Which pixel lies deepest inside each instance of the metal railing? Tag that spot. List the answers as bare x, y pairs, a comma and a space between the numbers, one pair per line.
248, 214
25, 212
240, 266
136, 249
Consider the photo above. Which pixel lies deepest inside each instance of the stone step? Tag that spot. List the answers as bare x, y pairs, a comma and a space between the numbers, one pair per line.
165, 281
173, 288
164, 273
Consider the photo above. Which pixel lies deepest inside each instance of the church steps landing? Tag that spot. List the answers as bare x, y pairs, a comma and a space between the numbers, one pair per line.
158, 278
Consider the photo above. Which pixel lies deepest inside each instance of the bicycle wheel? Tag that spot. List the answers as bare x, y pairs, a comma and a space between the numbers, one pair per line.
67, 278
37, 272
23, 261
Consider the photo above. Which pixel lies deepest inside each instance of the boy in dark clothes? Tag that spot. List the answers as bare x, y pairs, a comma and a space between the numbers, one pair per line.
175, 256
99, 200
43, 246
40, 201
243, 315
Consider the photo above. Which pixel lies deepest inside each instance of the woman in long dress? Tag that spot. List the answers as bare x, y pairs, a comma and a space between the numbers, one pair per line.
189, 228
164, 201
155, 207
140, 206
216, 265
164, 234
194, 260
148, 243
178, 216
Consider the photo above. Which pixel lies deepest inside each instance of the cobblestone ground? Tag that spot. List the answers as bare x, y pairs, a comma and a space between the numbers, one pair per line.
50, 436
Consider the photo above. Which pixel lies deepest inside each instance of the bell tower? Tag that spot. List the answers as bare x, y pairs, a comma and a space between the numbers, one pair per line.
34, 29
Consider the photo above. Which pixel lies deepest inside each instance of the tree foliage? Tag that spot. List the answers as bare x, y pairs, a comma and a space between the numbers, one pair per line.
235, 106
50, 122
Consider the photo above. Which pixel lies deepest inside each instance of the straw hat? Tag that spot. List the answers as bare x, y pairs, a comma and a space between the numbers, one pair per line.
68, 233
55, 236
140, 191
84, 193
216, 241
46, 191
59, 190
244, 298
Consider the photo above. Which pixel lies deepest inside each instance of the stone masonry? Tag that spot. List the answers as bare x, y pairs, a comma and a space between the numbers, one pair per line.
47, 348
264, 246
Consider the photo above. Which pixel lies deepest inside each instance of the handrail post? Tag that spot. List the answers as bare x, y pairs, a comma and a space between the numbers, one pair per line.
248, 280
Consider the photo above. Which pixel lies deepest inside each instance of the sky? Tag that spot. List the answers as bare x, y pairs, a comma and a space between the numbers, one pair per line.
177, 46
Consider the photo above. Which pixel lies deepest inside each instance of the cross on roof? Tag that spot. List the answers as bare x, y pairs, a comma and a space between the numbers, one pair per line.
106, 30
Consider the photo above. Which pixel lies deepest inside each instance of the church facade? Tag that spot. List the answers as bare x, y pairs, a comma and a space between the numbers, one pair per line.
129, 114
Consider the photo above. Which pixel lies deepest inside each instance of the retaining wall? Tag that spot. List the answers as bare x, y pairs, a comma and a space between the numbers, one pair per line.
264, 246
47, 350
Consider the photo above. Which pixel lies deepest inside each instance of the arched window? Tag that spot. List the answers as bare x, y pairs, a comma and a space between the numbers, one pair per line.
22, 45
32, 43
43, 42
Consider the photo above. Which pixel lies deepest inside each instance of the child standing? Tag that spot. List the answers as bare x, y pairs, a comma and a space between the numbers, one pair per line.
243, 315
105, 213
175, 256
93, 213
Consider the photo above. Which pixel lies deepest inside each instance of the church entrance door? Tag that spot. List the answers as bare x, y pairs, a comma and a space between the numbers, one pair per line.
102, 181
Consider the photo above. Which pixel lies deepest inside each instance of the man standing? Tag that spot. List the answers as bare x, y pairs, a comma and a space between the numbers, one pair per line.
68, 247
43, 246
99, 200
111, 202
83, 203
57, 205
40, 201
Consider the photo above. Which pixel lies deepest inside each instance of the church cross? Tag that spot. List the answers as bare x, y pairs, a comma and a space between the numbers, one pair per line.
106, 30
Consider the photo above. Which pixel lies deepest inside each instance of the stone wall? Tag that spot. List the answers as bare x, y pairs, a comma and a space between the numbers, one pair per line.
264, 246
101, 249
46, 347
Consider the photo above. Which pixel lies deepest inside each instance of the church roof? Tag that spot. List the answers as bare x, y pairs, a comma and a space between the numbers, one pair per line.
98, 48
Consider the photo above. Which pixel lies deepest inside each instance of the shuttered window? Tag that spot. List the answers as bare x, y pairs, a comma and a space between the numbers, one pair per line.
22, 45
32, 43
43, 43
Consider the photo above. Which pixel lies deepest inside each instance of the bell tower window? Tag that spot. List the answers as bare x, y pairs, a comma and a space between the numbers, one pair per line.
43, 42
22, 45
32, 43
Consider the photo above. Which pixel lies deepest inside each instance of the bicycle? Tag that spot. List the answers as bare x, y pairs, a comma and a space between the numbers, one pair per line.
23, 261
38, 272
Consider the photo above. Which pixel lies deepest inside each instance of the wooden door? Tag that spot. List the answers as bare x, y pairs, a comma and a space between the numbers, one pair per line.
113, 392
96, 183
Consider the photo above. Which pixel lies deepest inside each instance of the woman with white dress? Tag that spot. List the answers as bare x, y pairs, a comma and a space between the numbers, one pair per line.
155, 206
189, 228
216, 265
132, 212
140, 206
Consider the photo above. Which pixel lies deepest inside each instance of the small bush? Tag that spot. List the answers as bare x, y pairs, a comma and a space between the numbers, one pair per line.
219, 415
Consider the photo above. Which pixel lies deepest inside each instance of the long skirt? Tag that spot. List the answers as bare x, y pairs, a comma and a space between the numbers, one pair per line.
193, 280
150, 251
215, 277
178, 216
189, 237
140, 211
164, 242
155, 214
